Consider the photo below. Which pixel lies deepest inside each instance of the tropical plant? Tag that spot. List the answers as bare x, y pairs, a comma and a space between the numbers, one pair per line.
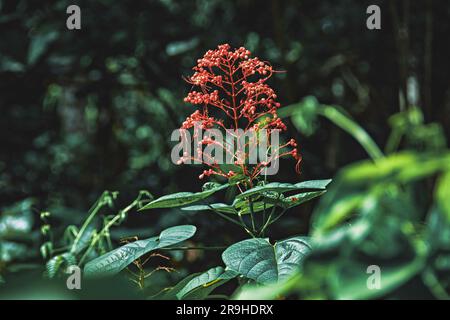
242, 96
390, 213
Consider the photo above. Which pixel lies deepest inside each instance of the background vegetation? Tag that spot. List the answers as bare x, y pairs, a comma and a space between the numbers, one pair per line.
92, 110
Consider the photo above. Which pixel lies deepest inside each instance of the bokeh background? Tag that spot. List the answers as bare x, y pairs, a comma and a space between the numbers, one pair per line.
91, 110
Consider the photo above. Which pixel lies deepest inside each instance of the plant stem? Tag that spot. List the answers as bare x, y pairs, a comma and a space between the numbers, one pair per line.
223, 215
432, 282
263, 216
277, 217
99, 235
252, 214
244, 225
267, 222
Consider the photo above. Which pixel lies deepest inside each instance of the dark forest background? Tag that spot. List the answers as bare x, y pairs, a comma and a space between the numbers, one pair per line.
91, 110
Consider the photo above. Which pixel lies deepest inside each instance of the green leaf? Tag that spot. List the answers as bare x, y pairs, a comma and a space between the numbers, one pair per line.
115, 261
201, 285
183, 198
270, 291
257, 259
55, 263
270, 198
221, 207
283, 187
298, 199
243, 206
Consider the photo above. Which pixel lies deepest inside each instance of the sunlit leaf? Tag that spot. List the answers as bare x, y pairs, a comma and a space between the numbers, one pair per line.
170, 293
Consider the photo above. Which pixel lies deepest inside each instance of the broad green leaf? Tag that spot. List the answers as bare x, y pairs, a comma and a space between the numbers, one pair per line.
84, 239
283, 187
55, 263
270, 198
221, 207
343, 208
204, 292
183, 198
243, 205
263, 262
118, 259
201, 285
170, 293
298, 199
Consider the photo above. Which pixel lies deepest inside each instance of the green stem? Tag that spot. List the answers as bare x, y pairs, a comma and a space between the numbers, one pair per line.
277, 217
432, 282
267, 223
99, 235
92, 213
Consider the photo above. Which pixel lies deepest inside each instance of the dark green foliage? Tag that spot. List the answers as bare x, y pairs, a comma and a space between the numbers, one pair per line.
92, 110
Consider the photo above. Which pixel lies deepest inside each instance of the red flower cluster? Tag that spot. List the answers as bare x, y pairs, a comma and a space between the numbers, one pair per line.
231, 87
